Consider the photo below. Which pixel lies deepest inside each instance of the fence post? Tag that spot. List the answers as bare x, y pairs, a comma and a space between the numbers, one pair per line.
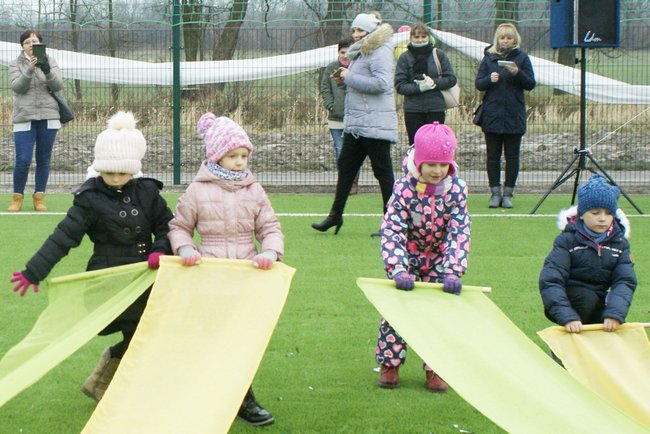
176, 91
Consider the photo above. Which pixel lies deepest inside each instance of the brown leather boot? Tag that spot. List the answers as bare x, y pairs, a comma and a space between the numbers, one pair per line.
16, 203
435, 383
96, 384
388, 377
39, 202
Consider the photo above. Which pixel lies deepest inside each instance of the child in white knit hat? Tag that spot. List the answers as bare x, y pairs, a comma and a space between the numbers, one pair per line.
230, 210
127, 220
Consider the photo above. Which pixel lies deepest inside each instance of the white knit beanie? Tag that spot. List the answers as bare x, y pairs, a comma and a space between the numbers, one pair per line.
120, 147
367, 22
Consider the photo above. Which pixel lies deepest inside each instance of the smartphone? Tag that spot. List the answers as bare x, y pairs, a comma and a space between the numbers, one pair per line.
504, 63
337, 73
38, 50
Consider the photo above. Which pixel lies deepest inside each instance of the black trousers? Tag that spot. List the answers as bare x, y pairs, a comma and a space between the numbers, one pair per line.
414, 120
353, 153
495, 145
126, 323
588, 304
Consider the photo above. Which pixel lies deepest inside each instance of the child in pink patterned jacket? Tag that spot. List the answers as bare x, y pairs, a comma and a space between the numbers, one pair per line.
230, 210
425, 236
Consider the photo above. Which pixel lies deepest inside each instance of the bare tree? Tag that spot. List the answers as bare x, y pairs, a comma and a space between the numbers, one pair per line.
75, 33
506, 11
224, 48
192, 28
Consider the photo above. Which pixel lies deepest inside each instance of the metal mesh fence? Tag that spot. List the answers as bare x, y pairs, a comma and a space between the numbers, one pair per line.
283, 114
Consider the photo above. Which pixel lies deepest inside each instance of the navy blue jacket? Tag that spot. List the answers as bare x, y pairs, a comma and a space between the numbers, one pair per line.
577, 261
504, 104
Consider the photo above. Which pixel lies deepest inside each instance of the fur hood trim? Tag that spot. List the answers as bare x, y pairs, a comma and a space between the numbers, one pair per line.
567, 215
374, 40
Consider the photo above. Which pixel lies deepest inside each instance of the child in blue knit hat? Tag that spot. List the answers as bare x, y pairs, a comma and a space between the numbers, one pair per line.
588, 277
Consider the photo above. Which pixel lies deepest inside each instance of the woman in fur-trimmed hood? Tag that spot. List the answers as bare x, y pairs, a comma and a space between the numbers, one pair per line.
370, 120
588, 277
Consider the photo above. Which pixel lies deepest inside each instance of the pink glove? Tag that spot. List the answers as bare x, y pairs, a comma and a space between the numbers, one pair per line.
189, 255
22, 284
451, 284
265, 260
154, 260
404, 281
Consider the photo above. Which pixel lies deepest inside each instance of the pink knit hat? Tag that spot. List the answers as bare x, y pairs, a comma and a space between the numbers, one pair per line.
221, 135
435, 143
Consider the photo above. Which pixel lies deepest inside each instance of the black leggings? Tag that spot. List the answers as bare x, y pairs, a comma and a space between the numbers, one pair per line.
126, 323
495, 145
353, 153
414, 120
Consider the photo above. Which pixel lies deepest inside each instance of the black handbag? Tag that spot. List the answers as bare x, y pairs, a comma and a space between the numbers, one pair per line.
478, 115
65, 114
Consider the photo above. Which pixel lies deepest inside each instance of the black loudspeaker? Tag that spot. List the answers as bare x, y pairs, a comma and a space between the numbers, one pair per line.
585, 23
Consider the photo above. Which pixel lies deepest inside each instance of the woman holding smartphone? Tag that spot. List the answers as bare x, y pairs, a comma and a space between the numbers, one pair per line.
35, 118
504, 73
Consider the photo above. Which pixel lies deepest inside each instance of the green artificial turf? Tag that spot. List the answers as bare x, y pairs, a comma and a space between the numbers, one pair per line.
317, 374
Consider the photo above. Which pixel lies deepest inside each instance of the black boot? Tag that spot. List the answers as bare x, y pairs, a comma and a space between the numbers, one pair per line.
333, 219
253, 413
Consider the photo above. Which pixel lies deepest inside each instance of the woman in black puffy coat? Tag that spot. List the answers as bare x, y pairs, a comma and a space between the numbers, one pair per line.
504, 73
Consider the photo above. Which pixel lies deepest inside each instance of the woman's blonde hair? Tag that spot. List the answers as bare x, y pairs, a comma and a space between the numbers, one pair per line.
505, 29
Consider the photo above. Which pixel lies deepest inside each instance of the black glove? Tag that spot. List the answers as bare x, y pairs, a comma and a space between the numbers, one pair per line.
45, 67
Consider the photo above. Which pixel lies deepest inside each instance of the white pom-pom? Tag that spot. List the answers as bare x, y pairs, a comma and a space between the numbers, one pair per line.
122, 120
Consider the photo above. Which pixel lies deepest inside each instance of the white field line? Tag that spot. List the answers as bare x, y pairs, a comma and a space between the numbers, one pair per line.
34, 213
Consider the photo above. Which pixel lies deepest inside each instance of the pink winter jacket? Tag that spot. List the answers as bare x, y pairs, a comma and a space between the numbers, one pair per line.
226, 214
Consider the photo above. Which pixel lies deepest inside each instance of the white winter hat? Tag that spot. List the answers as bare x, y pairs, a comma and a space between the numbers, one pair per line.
367, 22
120, 147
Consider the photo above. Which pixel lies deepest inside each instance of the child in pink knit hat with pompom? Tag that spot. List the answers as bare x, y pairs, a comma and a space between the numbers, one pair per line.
230, 210
425, 236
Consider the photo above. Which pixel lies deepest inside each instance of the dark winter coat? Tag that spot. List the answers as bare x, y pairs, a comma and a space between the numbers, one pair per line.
504, 103
125, 226
332, 94
576, 260
414, 99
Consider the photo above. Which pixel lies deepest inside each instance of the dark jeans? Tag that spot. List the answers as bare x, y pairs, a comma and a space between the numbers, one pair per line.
24, 141
495, 144
414, 120
353, 153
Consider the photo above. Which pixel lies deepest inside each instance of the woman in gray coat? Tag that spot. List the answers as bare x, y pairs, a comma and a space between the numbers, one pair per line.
35, 118
370, 117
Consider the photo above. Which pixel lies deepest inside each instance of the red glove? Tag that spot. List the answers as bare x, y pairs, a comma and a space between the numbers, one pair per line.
22, 284
265, 260
154, 260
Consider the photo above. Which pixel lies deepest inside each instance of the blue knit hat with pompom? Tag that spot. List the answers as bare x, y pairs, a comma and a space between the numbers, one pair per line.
597, 193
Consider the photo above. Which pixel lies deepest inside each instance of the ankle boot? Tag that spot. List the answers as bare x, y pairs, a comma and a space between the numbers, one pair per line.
355, 185
39, 202
506, 201
96, 384
333, 219
388, 377
16, 203
495, 199
253, 413
434, 383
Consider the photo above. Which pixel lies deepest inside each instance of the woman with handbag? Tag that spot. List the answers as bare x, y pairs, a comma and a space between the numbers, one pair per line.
504, 73
35, 118
422, 72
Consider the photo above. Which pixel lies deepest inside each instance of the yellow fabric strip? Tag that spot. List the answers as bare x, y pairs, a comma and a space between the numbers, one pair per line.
488, 361
615, 365
196, 349
80, 306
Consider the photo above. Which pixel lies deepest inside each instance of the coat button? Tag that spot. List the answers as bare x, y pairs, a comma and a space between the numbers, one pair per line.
127, 231
135, 212
126, 199
123, 214
138, 229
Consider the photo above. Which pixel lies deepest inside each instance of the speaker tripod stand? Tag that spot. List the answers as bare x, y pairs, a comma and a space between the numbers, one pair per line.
582, 154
